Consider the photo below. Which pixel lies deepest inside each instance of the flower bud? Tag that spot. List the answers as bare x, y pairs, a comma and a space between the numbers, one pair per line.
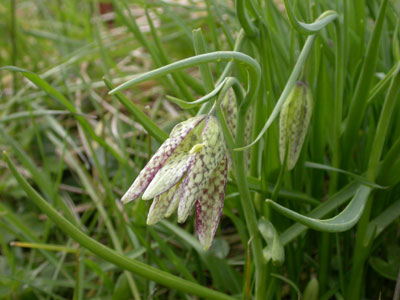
312, 290
293, 124
274, 251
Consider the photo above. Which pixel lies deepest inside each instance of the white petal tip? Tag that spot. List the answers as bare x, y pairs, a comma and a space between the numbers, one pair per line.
126, 199
151, 222
147, 197
182, 219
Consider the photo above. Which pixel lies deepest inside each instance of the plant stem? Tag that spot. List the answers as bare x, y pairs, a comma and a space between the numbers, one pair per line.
248, 208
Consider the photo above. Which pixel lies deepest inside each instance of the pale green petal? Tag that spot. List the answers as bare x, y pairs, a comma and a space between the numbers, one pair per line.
175, 202
177, 164
147, 174
204, 164
160, 205
171, 172
229, 108
209, 206
293, 124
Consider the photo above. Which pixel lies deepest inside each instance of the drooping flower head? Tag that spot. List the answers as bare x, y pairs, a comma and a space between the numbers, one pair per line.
293, 124
190, 168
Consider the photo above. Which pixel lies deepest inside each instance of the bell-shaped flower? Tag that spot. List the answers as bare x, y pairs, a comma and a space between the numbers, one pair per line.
293, 124
190, 168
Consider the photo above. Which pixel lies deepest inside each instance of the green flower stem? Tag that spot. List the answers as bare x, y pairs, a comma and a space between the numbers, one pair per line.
248, 208
110, 255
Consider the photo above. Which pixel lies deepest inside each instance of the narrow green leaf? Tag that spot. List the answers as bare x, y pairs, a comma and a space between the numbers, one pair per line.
383, 125
49, 247
359, 101
289, 282
249, 62
186, 105
324, 19
342, 222
388, 270
361, 179
378, 225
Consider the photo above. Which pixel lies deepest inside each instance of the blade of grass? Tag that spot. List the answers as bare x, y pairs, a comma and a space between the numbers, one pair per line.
342, 222
358, 103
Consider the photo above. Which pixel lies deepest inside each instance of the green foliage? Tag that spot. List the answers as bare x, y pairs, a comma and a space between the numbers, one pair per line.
90, 89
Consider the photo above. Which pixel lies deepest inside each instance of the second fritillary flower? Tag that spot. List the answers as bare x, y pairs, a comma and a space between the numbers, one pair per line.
294, 121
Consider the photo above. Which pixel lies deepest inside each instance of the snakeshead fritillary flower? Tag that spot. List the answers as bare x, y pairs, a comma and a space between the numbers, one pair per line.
189, 168
293, 123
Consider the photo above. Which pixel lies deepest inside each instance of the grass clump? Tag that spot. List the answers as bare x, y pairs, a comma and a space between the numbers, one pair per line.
90, 91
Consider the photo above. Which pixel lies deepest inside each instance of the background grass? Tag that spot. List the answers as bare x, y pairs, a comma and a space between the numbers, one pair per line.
81, 148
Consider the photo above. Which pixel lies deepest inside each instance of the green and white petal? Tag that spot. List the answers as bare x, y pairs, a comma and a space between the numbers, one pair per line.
293, 124
173, 205
209, 206
229, 108
168, 176
207, 157
160, 205
147, 174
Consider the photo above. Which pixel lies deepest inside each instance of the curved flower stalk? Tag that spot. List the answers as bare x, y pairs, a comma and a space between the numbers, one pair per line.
293, 124
189, 168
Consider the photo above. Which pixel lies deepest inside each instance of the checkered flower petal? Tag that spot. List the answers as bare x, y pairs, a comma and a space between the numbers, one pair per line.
229, 108
160, 205
177, 135
170, 173
173, 205
207, 157
293, 124
190, 167
210, 204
